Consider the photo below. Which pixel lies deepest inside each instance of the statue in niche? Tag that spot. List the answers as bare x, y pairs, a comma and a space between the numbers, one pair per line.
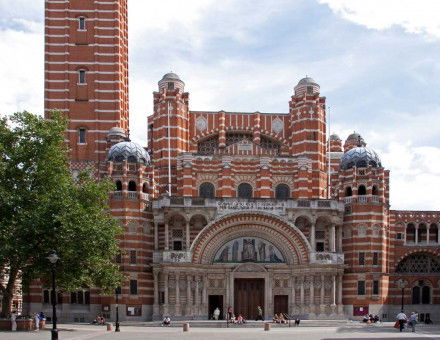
249, 254
235, 251
273, 256
262, 251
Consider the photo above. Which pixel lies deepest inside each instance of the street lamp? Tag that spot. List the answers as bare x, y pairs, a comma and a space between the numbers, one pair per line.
117, 292
401, 284
53, 258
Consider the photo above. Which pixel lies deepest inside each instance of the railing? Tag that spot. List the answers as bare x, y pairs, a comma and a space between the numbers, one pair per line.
326, 258
132, 195
171, 256
117, 195
231, 204
361, 199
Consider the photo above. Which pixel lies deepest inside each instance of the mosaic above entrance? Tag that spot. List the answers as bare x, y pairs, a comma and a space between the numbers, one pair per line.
248, 249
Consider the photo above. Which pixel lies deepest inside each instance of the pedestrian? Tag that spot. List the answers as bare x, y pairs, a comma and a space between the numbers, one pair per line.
37, 321
13, 321
259, 314
413, 320
401, 319
230, 313
216, 313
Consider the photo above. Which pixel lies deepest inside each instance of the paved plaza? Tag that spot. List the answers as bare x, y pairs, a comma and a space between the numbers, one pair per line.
353, 331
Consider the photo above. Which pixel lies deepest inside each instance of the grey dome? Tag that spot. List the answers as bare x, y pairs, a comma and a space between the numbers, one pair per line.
335, 137
361, 157
170, 76
128, 151
307, 81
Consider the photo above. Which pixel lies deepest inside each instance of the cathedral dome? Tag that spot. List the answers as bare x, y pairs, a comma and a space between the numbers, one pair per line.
360, 157
356, 139
335, 137
307, 81
128, 151
171, 81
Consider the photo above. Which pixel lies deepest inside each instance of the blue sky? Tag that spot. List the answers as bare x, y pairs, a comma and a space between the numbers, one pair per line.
376, 61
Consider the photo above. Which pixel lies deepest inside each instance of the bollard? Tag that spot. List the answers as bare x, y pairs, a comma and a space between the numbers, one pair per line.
109, 326
267, 326
186, 327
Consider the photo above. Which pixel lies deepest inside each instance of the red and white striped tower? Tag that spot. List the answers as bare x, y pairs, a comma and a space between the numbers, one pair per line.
308, 132
86, 72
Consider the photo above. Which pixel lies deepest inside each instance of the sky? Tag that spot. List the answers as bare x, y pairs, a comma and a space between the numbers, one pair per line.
377, 63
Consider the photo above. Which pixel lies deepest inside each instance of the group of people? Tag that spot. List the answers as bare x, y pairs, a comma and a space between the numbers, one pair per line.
233, 319
99, 320
402, 319
370, 318
280, 318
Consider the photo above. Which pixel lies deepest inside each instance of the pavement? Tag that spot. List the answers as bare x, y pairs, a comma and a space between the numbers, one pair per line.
350, 331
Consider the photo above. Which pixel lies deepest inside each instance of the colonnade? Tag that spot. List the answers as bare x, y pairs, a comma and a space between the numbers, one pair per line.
422, 227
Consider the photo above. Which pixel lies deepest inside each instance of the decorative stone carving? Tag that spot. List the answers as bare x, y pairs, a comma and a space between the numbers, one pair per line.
201, 124
277, 125
250, 267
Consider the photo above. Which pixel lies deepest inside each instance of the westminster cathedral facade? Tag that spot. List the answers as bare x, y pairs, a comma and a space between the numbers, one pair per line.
230, 209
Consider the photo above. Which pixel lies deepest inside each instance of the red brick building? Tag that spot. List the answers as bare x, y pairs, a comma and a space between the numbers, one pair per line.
231, 208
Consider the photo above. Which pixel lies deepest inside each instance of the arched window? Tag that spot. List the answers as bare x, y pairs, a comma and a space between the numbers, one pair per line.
131, 159
118, 186
426, 295
144, 188
348, 192
416, 295
244, 190
81, 76
362, 190
421, 293
207, 190
374, 191
208, 146
419, 263
410, 233
282, 191
81, 23
82, 135
132, 186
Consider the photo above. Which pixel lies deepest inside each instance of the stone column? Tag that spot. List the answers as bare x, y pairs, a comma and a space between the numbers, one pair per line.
340, 239
187, 235
333, 290
165, 294
301, 292
339, 289
205, 290
166, 237
312, 290
156, 294
197, 297
188, 295
427, 234
416, 241
156, 236
321, 298
312, 236
293, 302
332, 238
404, 236
177, 276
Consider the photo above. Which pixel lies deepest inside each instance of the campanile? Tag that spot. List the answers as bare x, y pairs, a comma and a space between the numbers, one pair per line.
86, 72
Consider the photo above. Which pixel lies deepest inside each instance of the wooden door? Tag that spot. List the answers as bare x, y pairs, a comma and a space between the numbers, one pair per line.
280, 304
248, 295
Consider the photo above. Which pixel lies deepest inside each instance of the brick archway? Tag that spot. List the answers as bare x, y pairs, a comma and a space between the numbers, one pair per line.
283, 235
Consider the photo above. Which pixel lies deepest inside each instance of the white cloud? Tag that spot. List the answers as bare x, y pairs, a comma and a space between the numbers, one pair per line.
414, 16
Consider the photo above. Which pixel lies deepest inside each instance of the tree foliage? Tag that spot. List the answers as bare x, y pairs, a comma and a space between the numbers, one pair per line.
42, 207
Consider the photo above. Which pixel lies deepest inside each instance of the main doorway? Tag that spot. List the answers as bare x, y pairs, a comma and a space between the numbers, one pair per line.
248, 295
215, 301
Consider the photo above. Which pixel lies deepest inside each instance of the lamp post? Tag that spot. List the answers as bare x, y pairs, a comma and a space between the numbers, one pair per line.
401, 284
117, 292
53, 258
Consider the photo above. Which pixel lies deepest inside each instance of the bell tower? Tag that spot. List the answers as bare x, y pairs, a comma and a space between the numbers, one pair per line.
86, 72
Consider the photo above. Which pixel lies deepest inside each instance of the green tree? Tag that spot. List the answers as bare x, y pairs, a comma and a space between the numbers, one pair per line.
42, 207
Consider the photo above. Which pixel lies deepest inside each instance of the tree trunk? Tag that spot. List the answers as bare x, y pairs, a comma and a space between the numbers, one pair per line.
8, 293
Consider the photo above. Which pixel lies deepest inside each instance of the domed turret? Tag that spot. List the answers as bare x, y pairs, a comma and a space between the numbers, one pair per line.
354, 140
335, 143
128, 151
116, 132
170, 82
306, 85
360, 157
